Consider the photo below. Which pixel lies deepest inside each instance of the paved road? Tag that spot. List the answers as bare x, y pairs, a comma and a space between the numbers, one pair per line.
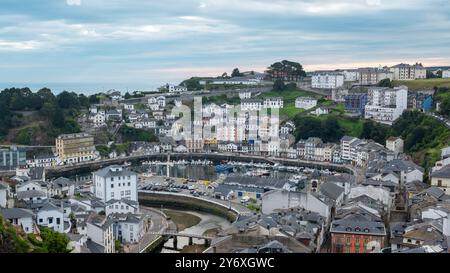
158, 225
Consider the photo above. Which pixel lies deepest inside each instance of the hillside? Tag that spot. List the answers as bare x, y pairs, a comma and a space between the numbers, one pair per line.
13, 240
426, 84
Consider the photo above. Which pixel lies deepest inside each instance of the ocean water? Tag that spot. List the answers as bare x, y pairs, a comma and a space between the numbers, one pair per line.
84, 88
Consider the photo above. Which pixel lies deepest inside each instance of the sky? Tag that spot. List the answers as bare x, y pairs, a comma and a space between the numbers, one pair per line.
142, 44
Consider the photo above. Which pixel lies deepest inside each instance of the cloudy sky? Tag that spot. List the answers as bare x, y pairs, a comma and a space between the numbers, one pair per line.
144, 43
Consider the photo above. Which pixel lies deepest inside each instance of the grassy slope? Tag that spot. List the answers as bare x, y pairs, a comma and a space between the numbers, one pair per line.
424, 84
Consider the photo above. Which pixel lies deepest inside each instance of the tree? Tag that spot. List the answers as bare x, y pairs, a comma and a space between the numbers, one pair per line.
54, 242
386, 83
286, 70
279, 85
236, 73
127, 95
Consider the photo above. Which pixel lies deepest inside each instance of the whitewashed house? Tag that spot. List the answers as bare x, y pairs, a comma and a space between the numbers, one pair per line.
129, 228
305, 103
115, 182
52, 217
19, 217
123, 206
100, 234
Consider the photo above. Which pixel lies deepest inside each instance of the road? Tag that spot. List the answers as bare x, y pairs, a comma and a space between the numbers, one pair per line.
158, 225
440, 118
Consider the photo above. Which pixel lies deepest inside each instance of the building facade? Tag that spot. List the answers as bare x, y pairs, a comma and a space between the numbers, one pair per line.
385, 105
327, 81
404, 72
74, 148
115, 182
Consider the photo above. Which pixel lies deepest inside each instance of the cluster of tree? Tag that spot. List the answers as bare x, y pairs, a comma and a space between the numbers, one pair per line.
129, 134
431, 75
286, 70
192, 84
104, 150
386, 83
328, 129
280, 86
442, 95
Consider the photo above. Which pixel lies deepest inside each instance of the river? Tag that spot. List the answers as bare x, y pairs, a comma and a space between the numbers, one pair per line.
208, 222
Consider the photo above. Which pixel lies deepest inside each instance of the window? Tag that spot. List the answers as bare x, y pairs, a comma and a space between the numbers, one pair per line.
117, 206
112, 179
40, 220
347, 240
122, 193
58, 221
112, 186
439, 183
129, 183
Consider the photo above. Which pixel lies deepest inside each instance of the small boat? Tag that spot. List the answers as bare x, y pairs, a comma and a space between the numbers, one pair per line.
224, 168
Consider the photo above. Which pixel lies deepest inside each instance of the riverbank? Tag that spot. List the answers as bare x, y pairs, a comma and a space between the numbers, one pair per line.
182, 220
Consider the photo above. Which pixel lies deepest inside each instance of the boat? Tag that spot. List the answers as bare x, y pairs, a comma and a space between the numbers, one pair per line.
224, 168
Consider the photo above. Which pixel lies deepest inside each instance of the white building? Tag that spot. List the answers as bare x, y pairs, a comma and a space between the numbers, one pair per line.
350, 75
245, 95
98, 118
327, 81
115, 182
4, 193
305, 103
43, 161
179, 89
100, 234
386, 105
19, 217
251, 105
395, 144
123, 206
52, 217
129, 228
273, 102
321, 111
446, 74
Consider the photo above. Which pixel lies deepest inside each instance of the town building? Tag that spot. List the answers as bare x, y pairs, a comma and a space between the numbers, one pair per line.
273, 102
251, 105
115, 182
327, 81
12, 158
385, 105
305, 103
356, 103
245, 95
441, 179
100, 234
395, 144
20, 218
173, 88
409, 72
446, 74
422, 101
372, 76
75, 148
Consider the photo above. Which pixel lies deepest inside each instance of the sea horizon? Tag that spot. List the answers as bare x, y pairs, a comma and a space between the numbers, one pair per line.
83, 88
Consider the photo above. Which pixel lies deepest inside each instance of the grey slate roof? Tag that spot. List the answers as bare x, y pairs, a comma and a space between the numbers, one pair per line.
30, 194
107, 172
356, 225
15, 213
331, 190
442, 173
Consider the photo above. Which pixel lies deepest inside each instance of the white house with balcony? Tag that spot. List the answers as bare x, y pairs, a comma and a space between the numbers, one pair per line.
385, 105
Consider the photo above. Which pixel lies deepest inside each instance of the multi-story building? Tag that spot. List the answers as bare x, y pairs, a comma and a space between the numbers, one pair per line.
422, 101
441, 179
273, 102
74, 148
357, 233
385, 105
115, 182
305, 103
356, 103
346, 148
12, 158
173, 88
245, 95
327, 81
370, 76
310, 148
251, 105
395, 144
409, 72
100, 234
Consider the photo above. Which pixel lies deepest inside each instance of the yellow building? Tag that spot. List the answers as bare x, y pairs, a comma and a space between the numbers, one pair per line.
74, 148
